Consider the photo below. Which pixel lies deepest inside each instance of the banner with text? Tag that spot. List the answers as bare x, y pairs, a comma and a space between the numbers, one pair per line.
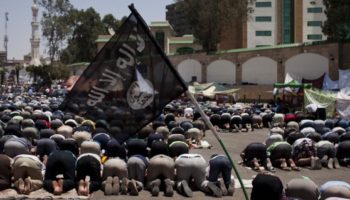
128, 83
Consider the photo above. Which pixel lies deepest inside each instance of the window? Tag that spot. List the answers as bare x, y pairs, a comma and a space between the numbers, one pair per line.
263, 4
314, 23
314, 37
263, 19
263, 33
288, 21
160, 39
315, 10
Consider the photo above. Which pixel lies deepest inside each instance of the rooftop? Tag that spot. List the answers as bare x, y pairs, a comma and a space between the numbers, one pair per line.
160, 24
103, 38
281, 46
186, 39
79, 64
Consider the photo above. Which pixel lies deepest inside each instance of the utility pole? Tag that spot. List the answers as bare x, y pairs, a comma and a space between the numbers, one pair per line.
6, 39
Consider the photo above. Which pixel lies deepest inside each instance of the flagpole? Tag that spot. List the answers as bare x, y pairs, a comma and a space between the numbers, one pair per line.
194, 101
213, 130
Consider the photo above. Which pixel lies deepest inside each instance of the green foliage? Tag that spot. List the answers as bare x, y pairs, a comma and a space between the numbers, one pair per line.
54, 24
17, 70
337, 26
185, 50
2, 72
207, 17
49, 73
78, 29
110, 22
86, 26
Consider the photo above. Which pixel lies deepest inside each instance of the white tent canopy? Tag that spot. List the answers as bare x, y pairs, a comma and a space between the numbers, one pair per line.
343, 103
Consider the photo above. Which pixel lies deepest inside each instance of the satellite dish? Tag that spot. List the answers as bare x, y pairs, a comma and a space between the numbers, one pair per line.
111, 31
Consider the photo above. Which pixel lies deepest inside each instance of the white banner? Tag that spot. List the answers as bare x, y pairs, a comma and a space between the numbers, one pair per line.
344, 78
329, 84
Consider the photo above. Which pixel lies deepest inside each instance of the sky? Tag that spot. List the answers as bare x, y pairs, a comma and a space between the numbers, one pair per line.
20, 17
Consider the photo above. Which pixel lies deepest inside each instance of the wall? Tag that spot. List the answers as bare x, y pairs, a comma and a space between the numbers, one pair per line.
307, 65
221, 71
298, 20
233, 35
253, 92
167, 34
346, 57
189, 68
259, 70
265, 65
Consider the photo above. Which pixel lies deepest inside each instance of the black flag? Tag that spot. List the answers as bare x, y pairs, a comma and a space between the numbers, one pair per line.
128, 83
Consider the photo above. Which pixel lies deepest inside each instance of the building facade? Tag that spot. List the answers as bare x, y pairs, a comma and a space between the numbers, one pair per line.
262, 24
177, 18
272, 22
166, 38
276, 22
313, 19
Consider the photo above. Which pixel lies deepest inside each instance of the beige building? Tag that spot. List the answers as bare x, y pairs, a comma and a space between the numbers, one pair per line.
165, 36
272, 22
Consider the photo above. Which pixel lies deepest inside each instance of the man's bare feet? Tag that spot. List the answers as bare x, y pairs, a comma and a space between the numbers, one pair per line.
256, 164
21, 186
87, 185
81, 189
60, 184
57, 190
45, 158
284, 165
27, 185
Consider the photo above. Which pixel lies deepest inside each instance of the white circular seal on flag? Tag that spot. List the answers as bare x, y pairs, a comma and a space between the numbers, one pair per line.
140, 94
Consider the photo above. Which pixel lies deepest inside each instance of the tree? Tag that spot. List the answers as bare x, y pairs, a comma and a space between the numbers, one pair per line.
207, 17
86, 26
48, 73
337, 25
54, 24
33, 70
18, 68
59, 72
2, 72
110, 22
2, 75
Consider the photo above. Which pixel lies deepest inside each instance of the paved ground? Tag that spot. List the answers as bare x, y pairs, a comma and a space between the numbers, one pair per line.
235, 143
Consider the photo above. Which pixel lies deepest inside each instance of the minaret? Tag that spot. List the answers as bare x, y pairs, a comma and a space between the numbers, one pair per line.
35, 40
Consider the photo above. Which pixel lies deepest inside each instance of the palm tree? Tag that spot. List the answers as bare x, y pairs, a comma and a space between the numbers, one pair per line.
2, 72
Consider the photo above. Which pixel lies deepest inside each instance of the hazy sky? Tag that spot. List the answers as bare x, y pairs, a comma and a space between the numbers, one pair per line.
20, 17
